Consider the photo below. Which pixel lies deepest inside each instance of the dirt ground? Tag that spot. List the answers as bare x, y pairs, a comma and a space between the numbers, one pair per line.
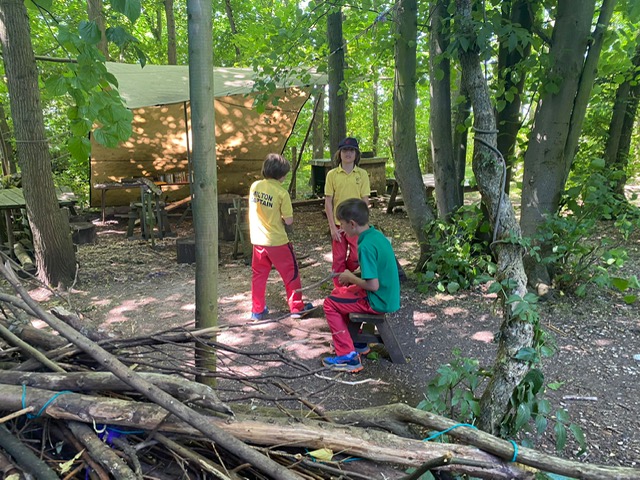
127, 288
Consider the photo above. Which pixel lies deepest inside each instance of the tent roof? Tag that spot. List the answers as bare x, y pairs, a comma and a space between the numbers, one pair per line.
166, 84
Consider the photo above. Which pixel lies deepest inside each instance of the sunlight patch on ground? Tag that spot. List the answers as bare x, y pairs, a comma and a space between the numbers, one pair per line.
420, 319
604, 342
483, 336
188, 307
453, 311
119, 314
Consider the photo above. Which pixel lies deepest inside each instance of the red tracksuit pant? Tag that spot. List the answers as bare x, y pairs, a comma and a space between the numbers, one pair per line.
345, 255
284, 259
338, 305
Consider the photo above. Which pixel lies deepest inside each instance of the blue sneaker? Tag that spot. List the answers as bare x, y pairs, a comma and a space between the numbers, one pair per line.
362, 348
260, 316
344, 363
306, 311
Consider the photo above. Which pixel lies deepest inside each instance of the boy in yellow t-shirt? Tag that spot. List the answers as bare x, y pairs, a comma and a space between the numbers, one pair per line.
345, 181
269, 210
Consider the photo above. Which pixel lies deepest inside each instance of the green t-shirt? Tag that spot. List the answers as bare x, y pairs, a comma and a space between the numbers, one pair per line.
377, 260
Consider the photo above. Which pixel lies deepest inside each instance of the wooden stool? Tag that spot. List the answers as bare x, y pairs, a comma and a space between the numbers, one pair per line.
363, 326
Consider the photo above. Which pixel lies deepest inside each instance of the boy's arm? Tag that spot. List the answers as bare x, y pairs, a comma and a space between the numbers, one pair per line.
348, 278
328, 209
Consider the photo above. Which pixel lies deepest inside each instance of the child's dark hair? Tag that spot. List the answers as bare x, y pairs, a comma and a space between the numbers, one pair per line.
353, 209
275, 166
337, 160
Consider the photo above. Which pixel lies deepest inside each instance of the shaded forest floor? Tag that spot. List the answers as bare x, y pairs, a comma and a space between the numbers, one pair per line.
127, 288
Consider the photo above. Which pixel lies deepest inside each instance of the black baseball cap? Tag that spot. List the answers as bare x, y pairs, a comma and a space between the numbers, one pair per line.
349, 142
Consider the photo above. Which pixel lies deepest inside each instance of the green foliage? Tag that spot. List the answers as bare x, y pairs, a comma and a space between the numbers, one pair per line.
457, 259
454, 392
90, 86
573, 243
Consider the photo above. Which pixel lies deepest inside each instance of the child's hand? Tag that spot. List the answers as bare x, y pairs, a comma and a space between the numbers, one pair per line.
335, 234
347, 278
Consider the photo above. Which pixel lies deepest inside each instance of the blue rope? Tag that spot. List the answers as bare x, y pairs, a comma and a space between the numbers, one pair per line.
24, 401
437, 434
515, 450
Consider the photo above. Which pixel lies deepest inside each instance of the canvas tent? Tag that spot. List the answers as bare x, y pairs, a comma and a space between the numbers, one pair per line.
158, 95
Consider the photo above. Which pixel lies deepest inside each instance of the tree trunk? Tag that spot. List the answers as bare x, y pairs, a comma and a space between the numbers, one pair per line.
375, 118
545, 164
96, 14
448, 187
172, 54
508, 119
232, 25
625, 108
337, 91
204, 187
586, 84
318, 127
54, 252
404, 125
6, 150
490, 171
461, 137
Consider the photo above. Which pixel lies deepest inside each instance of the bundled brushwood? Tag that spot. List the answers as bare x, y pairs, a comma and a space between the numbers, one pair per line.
167, 426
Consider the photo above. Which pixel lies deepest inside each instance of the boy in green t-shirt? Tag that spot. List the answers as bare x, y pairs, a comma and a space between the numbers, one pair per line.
375, 291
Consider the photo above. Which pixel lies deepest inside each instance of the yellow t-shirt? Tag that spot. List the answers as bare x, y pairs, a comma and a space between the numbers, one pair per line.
269, 203
342, 185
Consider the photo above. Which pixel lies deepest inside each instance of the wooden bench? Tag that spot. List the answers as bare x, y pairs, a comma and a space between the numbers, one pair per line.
363, 326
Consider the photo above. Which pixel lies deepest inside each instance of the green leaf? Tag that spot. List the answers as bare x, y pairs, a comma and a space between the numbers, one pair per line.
79, 148
523, 415
541, 424
630, 299
453, 287
598, 164
561, 436
620, 283
527, 354
56, 85
90, 32
578, 434
555, 385
130, 8
562, 415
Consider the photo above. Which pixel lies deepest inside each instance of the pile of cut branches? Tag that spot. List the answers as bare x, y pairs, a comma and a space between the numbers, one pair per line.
76, 404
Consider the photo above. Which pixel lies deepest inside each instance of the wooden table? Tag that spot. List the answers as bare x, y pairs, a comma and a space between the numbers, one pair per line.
429, 184
13, 199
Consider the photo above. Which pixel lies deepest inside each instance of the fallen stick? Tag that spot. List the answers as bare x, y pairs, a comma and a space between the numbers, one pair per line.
24, 457
183, 389
365, 443
188, 415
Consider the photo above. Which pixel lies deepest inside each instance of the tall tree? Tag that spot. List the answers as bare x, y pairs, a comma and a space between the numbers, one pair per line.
204, 187
96, 14
449, 194
405, 151
337, 93
545, 163
54, 252
489, 168
616, 152
318, 127
519, 14
172, 54
232, 25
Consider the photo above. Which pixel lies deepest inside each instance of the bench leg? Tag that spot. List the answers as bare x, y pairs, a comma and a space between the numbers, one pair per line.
391, 343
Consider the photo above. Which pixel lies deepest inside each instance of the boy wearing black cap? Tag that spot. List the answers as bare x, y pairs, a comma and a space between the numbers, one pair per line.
347, 180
